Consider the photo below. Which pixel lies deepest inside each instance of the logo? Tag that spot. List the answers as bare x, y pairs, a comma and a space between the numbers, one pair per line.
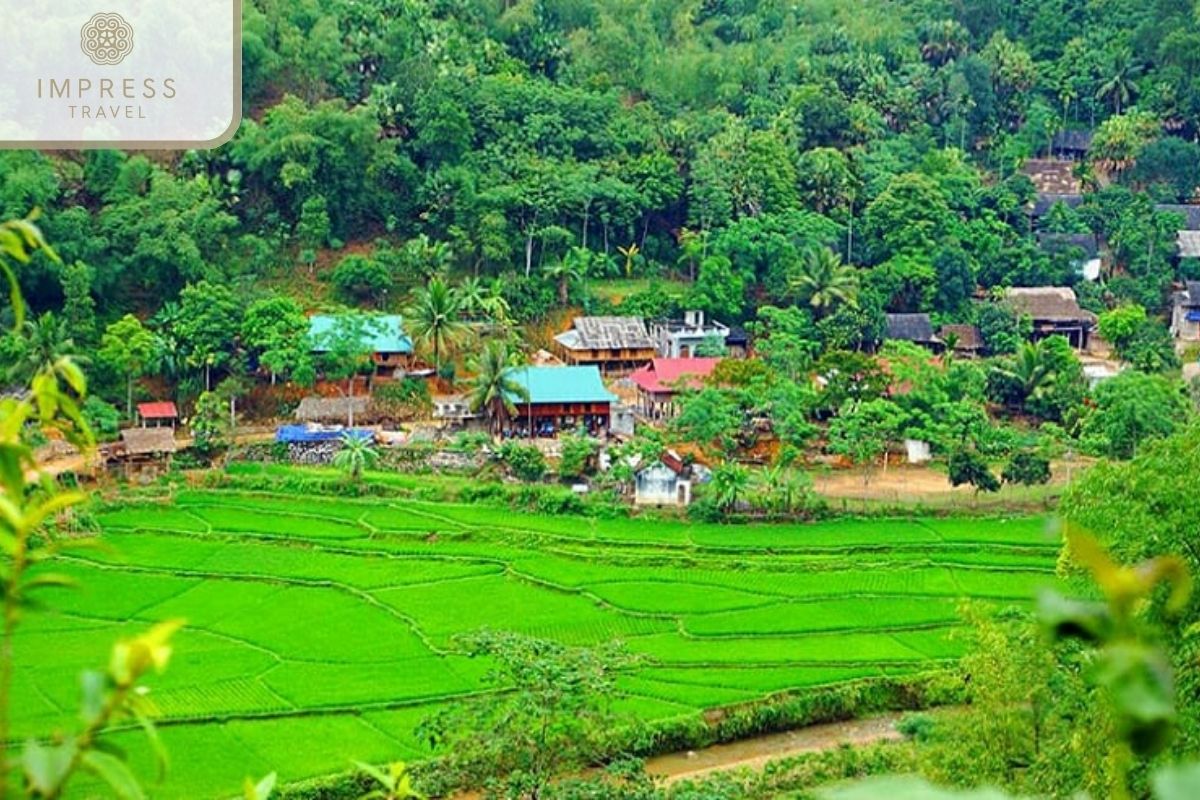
106, 39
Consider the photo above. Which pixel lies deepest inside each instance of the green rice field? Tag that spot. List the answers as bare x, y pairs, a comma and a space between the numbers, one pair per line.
322, 630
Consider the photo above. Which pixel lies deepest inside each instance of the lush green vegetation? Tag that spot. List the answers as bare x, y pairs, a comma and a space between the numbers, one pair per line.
321, 629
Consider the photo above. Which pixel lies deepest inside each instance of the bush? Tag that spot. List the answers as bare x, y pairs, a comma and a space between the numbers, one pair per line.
102, 418
402, 398
1027, 469
577, 452
358, 278
524, 461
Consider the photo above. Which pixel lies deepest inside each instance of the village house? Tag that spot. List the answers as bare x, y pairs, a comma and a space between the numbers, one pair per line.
143, 451
1071, 145
391, 349
615, 345
1082, 248
915, 328
684, 338
963, 340
158, 414
1053, 310
665, 482
562, 399
1187, 238
1185, 314
661, 380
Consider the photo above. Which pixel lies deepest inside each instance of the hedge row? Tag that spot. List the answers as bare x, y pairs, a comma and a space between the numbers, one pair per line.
782, 712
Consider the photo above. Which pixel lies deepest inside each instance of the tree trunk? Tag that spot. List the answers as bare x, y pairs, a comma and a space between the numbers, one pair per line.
528, 254
129, 395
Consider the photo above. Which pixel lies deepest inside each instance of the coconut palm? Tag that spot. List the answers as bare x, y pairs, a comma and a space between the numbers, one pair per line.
494, 389
46, 348
434, 318
1119, 88
825, 282
357, 454
471, 296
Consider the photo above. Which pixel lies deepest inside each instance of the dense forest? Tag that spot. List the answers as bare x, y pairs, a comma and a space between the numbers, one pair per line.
719, 142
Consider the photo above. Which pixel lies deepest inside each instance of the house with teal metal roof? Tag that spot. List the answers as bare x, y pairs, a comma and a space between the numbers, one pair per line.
562, 398
382, 334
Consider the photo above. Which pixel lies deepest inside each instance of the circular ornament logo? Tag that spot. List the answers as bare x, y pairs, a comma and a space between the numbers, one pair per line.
106, 39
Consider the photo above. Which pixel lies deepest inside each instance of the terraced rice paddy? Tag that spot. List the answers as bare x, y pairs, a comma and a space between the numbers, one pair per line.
321, 630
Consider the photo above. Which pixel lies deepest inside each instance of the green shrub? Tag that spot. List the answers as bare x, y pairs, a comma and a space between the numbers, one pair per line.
524, 461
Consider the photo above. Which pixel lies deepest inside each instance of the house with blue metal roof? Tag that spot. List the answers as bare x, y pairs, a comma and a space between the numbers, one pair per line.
382, 334
562, 398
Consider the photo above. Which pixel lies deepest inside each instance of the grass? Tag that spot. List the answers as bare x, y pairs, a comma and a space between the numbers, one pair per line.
322, 630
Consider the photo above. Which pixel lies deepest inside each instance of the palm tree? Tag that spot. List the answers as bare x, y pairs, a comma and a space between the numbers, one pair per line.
569, 269
1119, 87
825, 282
1030, 369
471, 296
494, 390
46, 349
943, 41
356, 455
434, 318
730, 483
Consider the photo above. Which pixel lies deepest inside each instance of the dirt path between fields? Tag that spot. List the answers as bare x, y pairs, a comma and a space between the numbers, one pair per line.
756, 752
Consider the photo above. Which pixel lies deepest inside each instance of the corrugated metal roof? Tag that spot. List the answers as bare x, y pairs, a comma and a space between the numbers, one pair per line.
160, 410
383, 333
662, 374
1189, 244
610, 333
562, 384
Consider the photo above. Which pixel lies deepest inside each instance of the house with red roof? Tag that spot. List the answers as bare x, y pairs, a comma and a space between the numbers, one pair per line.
663, 378
158, 414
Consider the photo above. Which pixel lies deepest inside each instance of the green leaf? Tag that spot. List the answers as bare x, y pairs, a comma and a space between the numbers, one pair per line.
91, 706
46, 767
1181, 782
261, 790
115, 773
1075, 619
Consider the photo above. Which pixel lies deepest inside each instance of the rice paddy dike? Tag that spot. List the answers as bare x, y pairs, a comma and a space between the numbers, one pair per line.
321, 630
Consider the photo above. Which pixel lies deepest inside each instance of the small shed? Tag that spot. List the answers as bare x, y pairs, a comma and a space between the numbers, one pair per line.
666, 482
161, 413
1072, 144
142, 449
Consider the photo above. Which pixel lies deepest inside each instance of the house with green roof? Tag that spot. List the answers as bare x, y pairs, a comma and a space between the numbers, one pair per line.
382, 334
562, 398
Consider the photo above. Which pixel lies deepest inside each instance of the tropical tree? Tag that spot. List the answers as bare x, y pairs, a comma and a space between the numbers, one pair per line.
568, 270
46, 346
1119, 86
434, 318
472, 296
356, 455
824, 282
130, 348
730, 483
1029, 371
494, 389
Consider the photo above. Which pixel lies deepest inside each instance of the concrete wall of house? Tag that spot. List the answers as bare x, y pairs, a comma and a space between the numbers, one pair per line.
657, 485
1181, 327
